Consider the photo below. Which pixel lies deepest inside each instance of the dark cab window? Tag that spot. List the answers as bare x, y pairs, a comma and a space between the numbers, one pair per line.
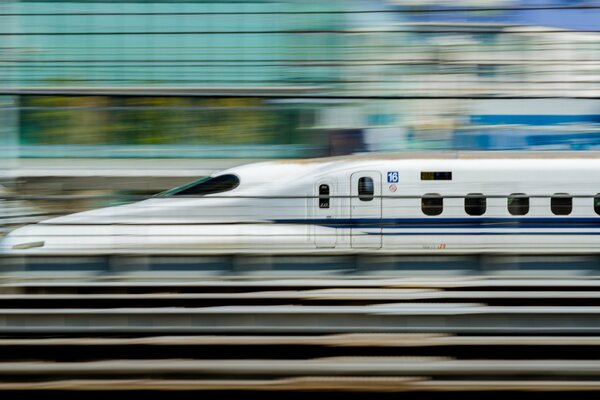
204, 186
323, 196
366, 189
432, 204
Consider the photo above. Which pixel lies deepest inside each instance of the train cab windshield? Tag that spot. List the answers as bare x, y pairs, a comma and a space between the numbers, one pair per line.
204, 186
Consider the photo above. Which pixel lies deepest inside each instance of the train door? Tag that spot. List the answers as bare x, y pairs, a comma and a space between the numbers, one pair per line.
325, 208
365, 209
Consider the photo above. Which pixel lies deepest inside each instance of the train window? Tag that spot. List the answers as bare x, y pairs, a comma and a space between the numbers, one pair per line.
518, 204
597, 204
204, 186
432, 204
323, 196
561, 204
366, 189
475, 204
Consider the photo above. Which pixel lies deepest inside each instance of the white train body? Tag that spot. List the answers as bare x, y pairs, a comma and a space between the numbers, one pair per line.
385, 204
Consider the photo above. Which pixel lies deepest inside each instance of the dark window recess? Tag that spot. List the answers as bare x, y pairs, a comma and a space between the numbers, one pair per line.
518, 204
436, 176
475, 204
597, 204
204, 186
561, 204
323, 196
366, 189
432, 204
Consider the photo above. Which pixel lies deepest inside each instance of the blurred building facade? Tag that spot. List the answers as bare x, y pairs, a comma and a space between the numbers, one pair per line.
290, 78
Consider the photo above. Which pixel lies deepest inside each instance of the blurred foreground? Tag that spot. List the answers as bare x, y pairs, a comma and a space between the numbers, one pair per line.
247, 336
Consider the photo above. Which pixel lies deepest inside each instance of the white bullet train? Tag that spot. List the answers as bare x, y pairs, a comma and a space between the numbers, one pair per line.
402, 204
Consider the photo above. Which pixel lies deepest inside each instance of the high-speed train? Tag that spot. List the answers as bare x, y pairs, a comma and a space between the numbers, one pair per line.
404, 204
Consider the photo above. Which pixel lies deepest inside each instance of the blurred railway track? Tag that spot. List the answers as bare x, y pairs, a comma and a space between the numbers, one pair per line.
468, 334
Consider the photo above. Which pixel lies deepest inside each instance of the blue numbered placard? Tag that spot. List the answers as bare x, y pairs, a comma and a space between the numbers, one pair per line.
393, 176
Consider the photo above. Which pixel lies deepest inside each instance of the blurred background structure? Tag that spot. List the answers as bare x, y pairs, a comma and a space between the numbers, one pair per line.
103, 96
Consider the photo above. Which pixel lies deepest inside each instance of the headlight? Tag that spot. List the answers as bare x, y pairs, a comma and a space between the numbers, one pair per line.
30, 245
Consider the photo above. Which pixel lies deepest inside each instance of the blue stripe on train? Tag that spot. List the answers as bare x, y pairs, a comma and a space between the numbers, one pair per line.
445, 223
478, 233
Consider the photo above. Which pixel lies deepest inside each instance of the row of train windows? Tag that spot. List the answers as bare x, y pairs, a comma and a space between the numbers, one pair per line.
475, 203
517, 204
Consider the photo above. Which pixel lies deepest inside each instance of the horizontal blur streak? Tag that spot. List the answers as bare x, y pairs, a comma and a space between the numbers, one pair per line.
353, 336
